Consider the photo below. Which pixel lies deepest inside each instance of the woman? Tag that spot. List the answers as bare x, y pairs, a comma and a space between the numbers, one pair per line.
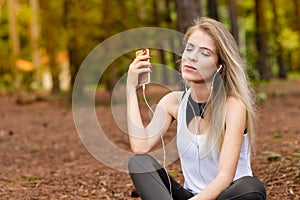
215, 119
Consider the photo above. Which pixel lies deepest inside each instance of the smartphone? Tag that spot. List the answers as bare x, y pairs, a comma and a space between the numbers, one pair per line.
144, 78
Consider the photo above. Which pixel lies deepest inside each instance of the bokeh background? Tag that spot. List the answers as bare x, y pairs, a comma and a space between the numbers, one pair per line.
43, 44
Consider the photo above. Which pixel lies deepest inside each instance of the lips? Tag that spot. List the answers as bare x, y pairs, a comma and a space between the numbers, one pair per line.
189, 67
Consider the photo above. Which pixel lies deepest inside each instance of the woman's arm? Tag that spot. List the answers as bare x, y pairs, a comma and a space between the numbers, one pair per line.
230, 151
142, 139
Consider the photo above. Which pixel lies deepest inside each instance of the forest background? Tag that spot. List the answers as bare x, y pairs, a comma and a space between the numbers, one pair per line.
43, 43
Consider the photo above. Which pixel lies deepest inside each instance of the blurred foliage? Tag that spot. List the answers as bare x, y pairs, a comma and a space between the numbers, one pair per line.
78, 26
261, 97
288, 38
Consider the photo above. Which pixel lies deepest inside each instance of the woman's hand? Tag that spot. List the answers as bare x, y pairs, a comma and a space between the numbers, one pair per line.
139, 65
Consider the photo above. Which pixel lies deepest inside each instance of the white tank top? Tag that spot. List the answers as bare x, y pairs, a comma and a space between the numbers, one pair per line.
200, 168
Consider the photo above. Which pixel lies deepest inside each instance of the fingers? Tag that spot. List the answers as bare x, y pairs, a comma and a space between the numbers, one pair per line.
140, 65
142, 52
143, 70
135, 73
142, 57
142, 60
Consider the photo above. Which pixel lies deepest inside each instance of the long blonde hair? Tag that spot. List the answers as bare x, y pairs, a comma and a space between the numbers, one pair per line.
232, 82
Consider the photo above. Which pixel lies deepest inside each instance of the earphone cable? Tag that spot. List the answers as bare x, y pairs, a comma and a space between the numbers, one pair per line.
161, 137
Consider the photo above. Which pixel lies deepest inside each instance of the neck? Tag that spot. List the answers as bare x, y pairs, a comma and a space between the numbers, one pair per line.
200, 92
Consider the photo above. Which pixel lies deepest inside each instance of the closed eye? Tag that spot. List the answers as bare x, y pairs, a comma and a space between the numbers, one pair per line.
205, 52
189, 47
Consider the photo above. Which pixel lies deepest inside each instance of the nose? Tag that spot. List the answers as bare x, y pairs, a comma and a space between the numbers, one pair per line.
192, 56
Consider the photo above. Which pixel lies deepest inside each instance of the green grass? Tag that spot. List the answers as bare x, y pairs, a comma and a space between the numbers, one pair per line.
294, 75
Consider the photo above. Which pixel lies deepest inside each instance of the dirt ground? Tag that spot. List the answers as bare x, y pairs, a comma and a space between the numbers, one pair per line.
42, 157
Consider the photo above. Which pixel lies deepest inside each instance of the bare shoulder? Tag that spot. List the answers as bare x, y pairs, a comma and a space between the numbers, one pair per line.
234, 103
235, 113
172, 97
171, 102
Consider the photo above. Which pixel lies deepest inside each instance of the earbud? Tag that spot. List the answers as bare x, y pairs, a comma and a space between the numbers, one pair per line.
220, 67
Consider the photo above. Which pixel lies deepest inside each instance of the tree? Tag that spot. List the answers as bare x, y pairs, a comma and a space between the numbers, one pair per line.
35, 34
297, 22
279, 53
81, 30
261, 42
212, 9
13, 27
157, 20
168, 19
74, 48
233, 19
13, 33
51, 43
187, 11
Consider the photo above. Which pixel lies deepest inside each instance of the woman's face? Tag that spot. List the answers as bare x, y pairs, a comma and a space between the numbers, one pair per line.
199, 59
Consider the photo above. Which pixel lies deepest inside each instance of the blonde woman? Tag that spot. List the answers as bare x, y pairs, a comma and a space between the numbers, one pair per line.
214, 116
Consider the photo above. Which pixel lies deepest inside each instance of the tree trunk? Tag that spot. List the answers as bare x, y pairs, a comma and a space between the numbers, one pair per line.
35, 34
157, 20
14, 37
187, 11
51, 42
212, 9
281, 63
279, 49
233, 19
297, 21
169, 21
73, 45
261, 43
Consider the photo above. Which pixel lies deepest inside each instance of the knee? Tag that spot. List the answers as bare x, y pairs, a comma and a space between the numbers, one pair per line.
142, 163
137, 159
246, 187
253, 196
255, 188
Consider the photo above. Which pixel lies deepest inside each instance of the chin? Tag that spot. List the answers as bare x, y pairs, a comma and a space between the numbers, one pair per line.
191, 78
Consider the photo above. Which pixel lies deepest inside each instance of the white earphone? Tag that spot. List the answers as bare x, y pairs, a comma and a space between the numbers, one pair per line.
220, 67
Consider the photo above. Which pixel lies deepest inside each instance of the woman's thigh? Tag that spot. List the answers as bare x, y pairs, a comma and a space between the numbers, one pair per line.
152, 181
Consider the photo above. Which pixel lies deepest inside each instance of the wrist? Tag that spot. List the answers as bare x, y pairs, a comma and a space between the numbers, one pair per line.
130, 88
130, 91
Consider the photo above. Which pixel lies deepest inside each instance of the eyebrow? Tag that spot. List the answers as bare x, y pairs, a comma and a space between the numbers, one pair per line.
206, 48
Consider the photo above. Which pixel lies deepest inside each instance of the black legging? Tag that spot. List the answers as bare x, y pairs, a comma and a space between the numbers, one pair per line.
152, 183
